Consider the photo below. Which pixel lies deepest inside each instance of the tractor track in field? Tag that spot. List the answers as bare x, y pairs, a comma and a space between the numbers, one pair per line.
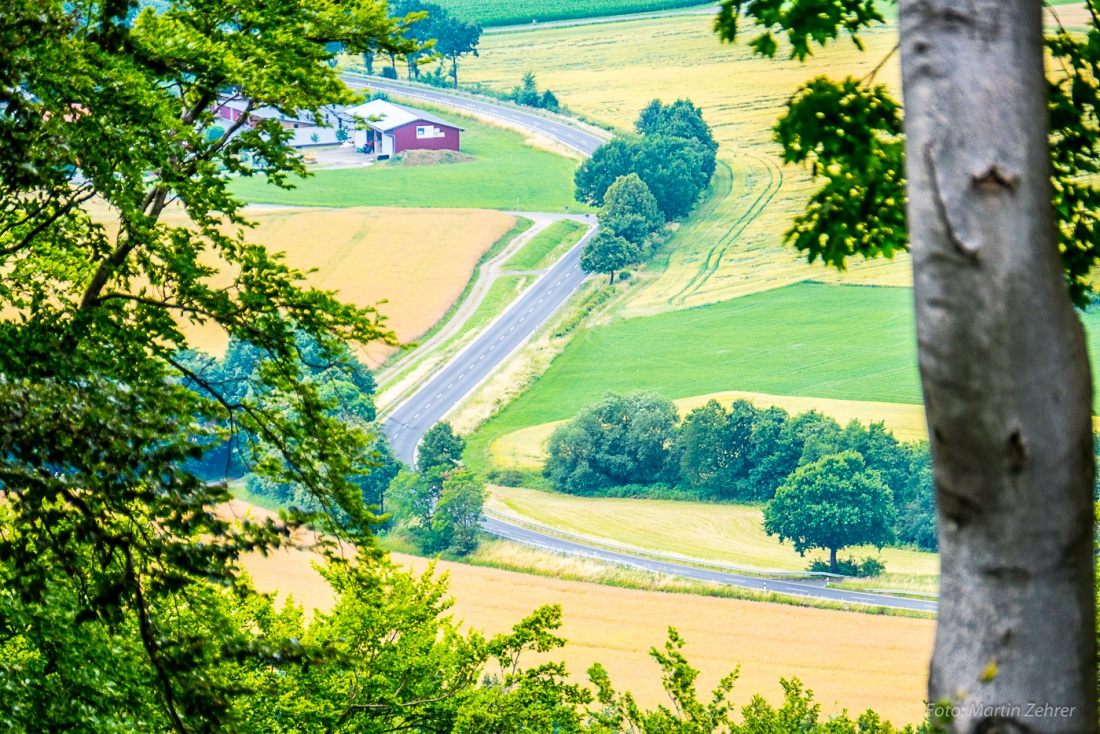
714, 256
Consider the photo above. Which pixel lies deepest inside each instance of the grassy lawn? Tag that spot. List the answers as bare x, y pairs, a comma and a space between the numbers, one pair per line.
730, 533
507, 174
547, 246
514, 12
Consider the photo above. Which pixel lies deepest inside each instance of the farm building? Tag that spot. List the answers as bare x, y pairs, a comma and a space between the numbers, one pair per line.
389, 129
308, 131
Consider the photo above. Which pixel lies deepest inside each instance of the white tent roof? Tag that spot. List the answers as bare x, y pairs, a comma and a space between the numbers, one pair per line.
383, 115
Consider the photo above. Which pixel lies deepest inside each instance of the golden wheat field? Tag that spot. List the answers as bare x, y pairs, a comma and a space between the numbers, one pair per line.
609, 72
850, 660
417, 260
526, 448
731, 533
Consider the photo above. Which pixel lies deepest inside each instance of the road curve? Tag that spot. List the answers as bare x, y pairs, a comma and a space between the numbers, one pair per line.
574, 137
790, 588
408, 422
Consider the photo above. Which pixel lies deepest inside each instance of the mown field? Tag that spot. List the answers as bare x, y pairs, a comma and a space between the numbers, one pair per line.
417, 260
508, 174
515, 12
850, 660
547, 246
526, 447
730, 533
609, 72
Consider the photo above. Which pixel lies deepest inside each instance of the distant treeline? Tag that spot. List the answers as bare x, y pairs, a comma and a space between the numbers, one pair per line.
636, 445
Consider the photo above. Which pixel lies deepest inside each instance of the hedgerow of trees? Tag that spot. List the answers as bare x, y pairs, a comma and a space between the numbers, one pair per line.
635, 445
674, 153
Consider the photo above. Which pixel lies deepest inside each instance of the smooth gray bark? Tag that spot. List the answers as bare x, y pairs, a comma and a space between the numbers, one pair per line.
1004, 370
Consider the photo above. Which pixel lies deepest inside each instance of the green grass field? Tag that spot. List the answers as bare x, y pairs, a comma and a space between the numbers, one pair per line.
515, 12
507, 174
729, 533
847, 342
547, 246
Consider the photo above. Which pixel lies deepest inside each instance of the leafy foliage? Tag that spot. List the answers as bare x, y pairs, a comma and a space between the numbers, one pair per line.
675, 157
440, 448
609, 253
630, 210
832, 503
849, 133
619, 440
107, 529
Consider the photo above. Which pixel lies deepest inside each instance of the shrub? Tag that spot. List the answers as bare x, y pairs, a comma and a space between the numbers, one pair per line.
866, 568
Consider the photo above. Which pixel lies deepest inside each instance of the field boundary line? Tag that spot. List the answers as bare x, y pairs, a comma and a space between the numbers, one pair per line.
653, 555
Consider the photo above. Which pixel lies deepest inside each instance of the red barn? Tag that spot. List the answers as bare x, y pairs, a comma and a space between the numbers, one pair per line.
390, 128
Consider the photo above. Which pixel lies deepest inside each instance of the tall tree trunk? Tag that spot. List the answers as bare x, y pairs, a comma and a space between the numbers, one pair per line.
1004, 371
368, 61
832, 561
454, 69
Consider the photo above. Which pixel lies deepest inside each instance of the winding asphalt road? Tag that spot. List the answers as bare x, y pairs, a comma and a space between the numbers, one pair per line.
408, 422
778, 586
470, 367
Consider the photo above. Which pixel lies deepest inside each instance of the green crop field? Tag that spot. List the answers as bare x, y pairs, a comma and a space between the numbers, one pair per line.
515, 12
729, 533
547, 246
507, 174
846, 342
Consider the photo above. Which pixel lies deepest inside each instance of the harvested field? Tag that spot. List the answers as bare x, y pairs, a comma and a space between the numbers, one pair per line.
417, 260
850, 660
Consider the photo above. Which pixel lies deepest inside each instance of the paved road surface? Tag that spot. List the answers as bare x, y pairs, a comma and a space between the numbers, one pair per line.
423, 409
470, 367
574, 137
792, 588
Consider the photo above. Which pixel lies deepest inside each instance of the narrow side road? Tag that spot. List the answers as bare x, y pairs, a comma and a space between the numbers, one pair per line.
778, 586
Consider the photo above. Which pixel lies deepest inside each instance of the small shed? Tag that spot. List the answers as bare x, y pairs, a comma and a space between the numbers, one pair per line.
389, 129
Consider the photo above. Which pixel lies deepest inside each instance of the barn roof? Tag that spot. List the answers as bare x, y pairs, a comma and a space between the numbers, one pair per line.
391, 116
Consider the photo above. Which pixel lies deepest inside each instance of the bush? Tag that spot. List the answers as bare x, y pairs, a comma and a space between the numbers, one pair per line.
388, 72
851, 567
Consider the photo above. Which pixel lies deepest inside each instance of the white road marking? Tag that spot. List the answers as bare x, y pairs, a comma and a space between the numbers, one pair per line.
540, 300
510, 328
492, 347
449, 386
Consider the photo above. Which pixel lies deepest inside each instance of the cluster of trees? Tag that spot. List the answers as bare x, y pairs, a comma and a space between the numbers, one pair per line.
432, 34
527, 94
341, 380
439, 503
630, 223
673, 152
637, 443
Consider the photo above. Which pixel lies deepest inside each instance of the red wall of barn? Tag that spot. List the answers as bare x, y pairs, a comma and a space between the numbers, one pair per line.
404, 138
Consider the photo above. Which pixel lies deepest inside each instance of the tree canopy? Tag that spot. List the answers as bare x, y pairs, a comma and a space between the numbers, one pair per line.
630, 210
609, 253
623, 439
833, 503
117, 229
